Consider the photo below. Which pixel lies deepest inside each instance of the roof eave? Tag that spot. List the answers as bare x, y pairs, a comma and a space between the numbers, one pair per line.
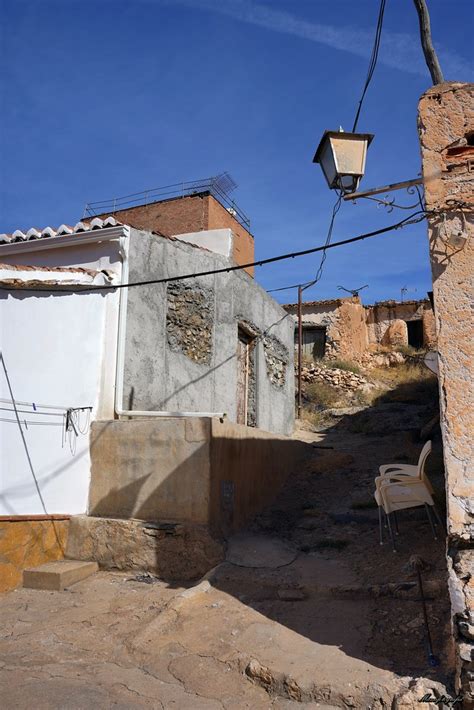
76, 239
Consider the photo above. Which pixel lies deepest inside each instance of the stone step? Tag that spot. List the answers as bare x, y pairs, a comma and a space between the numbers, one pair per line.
58, 575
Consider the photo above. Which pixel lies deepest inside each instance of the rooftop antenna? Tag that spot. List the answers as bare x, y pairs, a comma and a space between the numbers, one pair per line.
353, 291
404, 291
224, 183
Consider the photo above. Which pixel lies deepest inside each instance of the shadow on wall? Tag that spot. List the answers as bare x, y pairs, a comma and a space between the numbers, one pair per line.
332, 610
165, 493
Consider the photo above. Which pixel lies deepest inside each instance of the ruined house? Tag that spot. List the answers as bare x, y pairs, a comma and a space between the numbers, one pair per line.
157, 372
334, 328
417, 315
344, 328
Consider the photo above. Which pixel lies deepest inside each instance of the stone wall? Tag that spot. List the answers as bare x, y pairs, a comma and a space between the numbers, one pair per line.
29, 543
446, 129
190, 320
277, 359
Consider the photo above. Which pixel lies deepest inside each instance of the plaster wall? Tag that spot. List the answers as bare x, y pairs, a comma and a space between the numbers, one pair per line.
446, 129
219, 241
151, 469
158, 377
198, 471
53, 349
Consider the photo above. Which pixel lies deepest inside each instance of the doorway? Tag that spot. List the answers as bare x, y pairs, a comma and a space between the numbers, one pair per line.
314, 342
415, 333
245, 378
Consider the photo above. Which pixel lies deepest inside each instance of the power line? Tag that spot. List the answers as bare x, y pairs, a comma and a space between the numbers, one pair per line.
372, 62
319, 273
414, 218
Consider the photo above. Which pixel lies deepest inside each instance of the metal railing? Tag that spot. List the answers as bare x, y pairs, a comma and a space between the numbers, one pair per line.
213, 185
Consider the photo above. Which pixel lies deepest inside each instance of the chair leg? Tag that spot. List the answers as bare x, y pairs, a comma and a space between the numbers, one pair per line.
391, 533
397, 532
433, 529
438, 518
380, 526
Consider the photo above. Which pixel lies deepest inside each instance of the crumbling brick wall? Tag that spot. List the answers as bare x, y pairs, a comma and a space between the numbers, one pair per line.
446, 129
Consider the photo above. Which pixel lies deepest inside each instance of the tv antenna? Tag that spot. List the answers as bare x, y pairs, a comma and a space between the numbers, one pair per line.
404, 290
353, 291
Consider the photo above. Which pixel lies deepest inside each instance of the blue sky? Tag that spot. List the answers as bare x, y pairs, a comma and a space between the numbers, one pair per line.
102, 98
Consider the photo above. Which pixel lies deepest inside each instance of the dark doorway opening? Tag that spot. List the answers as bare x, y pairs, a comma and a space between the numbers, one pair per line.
415, 333
314, 342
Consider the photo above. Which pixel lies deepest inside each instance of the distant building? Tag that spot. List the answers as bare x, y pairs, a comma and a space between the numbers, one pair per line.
334, 328
344, 328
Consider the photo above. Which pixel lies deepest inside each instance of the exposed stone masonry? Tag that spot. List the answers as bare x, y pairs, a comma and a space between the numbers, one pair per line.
190, 321
276, 359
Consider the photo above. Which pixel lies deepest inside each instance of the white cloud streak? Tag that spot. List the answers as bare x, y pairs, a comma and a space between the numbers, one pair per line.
398, 50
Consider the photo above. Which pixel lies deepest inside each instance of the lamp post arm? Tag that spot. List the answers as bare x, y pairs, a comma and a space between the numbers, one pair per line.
426, 42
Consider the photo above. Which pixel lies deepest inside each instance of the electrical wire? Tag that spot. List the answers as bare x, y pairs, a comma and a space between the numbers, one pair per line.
372, 62
319, 273
413, 218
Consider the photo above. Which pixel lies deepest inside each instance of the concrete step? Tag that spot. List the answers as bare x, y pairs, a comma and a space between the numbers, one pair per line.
58, 575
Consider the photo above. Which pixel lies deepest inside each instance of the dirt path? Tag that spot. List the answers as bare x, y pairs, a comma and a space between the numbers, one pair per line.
337, 625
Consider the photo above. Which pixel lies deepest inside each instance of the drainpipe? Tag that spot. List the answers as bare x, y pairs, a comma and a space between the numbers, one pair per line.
120, 362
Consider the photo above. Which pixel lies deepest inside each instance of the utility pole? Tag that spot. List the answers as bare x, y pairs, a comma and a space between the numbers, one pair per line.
300, 346
427, 43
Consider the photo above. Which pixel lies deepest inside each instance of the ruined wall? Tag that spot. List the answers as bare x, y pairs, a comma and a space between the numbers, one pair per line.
381, 315
344, 320
446, 128
181, 339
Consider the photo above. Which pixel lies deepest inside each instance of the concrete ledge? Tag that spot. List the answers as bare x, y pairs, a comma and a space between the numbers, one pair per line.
58, 575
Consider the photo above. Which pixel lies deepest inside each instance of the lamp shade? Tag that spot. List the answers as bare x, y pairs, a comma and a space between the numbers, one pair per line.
342, 158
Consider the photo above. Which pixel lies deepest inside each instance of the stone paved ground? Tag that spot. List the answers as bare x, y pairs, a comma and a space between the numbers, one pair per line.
339, 626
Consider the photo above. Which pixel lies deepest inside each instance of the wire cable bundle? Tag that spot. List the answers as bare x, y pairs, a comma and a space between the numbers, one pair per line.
372, 63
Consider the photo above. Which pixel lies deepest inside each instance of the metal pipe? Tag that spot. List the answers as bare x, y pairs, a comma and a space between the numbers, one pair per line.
300, 346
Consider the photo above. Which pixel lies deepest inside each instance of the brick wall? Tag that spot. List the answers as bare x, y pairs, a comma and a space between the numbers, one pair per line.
191, 213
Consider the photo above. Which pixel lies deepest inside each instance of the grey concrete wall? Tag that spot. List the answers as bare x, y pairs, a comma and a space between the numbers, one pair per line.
151, 469
194, 470
159, 378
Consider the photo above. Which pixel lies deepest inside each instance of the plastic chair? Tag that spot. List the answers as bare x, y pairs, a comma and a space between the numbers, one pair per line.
399, 493
402, 469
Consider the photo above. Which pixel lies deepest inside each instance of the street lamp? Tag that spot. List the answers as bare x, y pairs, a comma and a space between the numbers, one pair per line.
342, 158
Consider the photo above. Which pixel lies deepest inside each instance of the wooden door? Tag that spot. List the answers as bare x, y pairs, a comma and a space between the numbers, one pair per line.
314, 343
243, 364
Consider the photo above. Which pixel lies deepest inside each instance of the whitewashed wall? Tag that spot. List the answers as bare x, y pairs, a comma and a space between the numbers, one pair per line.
53, 349
59, 349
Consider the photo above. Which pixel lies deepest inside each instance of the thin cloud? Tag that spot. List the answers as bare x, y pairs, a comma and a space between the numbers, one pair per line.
398, 50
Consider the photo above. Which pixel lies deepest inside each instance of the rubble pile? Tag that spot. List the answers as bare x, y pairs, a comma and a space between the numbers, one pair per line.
370, 359
333, 376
